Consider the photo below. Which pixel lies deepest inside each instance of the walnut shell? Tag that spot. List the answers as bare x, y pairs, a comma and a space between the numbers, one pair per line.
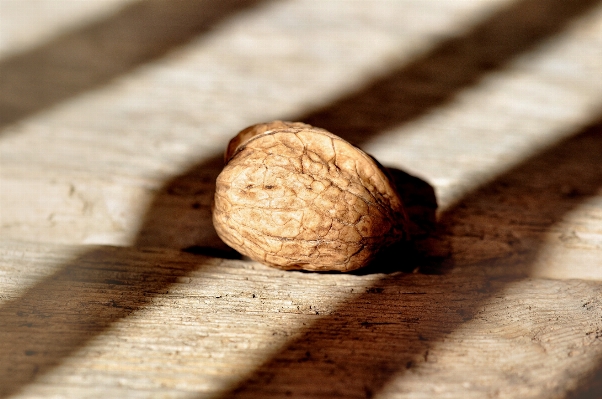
294, 196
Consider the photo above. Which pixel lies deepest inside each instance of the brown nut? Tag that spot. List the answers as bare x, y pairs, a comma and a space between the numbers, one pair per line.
295, 196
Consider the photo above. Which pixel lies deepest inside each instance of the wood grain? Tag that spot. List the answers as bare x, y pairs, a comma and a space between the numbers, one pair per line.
114, 283
169, 322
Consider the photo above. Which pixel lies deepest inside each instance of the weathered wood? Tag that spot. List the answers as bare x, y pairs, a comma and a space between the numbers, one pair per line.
169, 322
107, 174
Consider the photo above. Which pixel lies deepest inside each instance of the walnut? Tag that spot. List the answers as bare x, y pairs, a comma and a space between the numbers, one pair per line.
294, 196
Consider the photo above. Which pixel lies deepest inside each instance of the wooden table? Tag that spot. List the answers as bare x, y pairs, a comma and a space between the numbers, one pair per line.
113, 118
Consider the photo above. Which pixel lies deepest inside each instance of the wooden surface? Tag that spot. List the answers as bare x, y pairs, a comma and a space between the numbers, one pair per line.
113, 118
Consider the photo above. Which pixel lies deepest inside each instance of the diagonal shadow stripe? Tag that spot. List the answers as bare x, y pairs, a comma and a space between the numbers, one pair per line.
81, 300
590, 388
91, 56
389, 329
454, 64
406, 93
93, 312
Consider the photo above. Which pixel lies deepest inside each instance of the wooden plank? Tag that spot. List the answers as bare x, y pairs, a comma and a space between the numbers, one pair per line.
169, 323
496, 105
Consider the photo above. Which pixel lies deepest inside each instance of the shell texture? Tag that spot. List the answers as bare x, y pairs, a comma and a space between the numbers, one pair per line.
294, 196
